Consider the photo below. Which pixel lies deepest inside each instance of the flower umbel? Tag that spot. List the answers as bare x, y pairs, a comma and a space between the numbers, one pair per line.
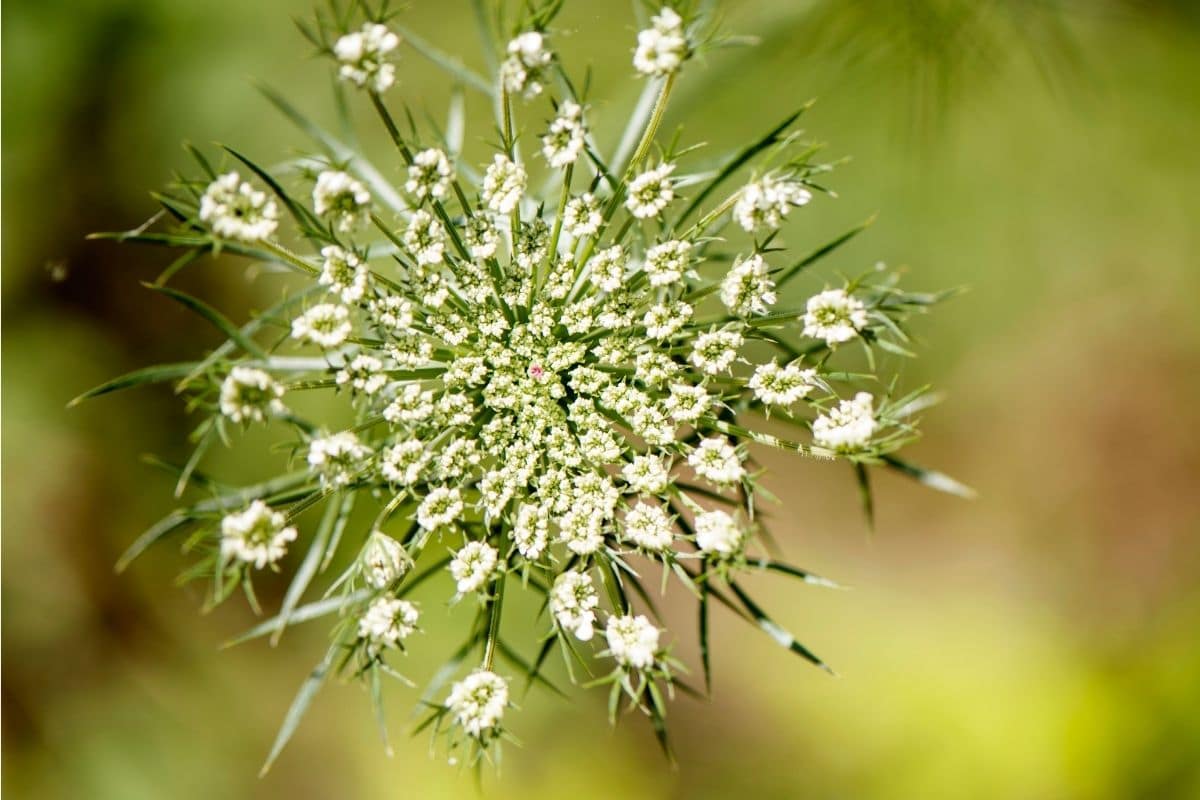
548, 390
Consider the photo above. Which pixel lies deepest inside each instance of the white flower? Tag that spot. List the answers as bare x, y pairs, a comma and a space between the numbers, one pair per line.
429, 175
440, 507
236, 210
564, 141
383, 560
478, 702
748, 288
256, 535
666, 262
687, 403
393, 312
426, 238
608, 268
573, 601
403, 463
338, 457
648, 527
646, 475
531, 531
717, 460
718, 535
481, 237
364, 373
582, 216
325, 324
650, 191
662, 47
664, 321
343, 199
632, 641
250, 395
714, 351
503, 184
764, 203
361, 55
344, 273
521, 72
388, 621
849, 426
782, 386
834, 316
581, 530
473, 566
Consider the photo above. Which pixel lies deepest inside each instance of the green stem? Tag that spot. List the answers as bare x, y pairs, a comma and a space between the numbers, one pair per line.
493, 634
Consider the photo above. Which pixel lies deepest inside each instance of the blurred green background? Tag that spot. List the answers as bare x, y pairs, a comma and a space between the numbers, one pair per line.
1040, 642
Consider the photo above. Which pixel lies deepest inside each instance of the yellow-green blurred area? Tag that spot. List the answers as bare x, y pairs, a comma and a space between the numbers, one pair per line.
1042, 641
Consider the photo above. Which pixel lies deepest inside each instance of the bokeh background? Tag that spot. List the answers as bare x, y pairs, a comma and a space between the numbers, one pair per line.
1042, 641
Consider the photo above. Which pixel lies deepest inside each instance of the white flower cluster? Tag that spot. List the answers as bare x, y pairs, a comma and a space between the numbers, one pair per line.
251, 395
236, 210
388, 621
478, 702
256, 535
343, 199
362, 57
521, 72
834, 316
661, 48
531, 390
574, 602
632, 640
848, 426
564, 142
764, 203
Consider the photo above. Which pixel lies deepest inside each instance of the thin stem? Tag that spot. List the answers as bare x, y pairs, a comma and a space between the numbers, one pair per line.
656, 117
493, 634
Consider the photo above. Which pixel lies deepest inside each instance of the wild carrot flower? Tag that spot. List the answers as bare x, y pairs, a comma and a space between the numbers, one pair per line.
526, 390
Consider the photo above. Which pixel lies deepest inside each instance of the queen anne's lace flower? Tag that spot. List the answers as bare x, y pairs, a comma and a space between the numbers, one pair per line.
429, 175
478, 702
503, 184
521, 72
344, 273
384, 560
632, 640
715, 351
363, 373
343, 199
764, 203
326, 324
717, 460
426, 238
338, 458
662, 47
718, 535
649, 527
236, 210
257, 535
574, 601
388, 621
849, 426
834, 316
582, 217
782, 386
537, 386
650, 192
473, 565
250, 395
362, 57
748, 288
